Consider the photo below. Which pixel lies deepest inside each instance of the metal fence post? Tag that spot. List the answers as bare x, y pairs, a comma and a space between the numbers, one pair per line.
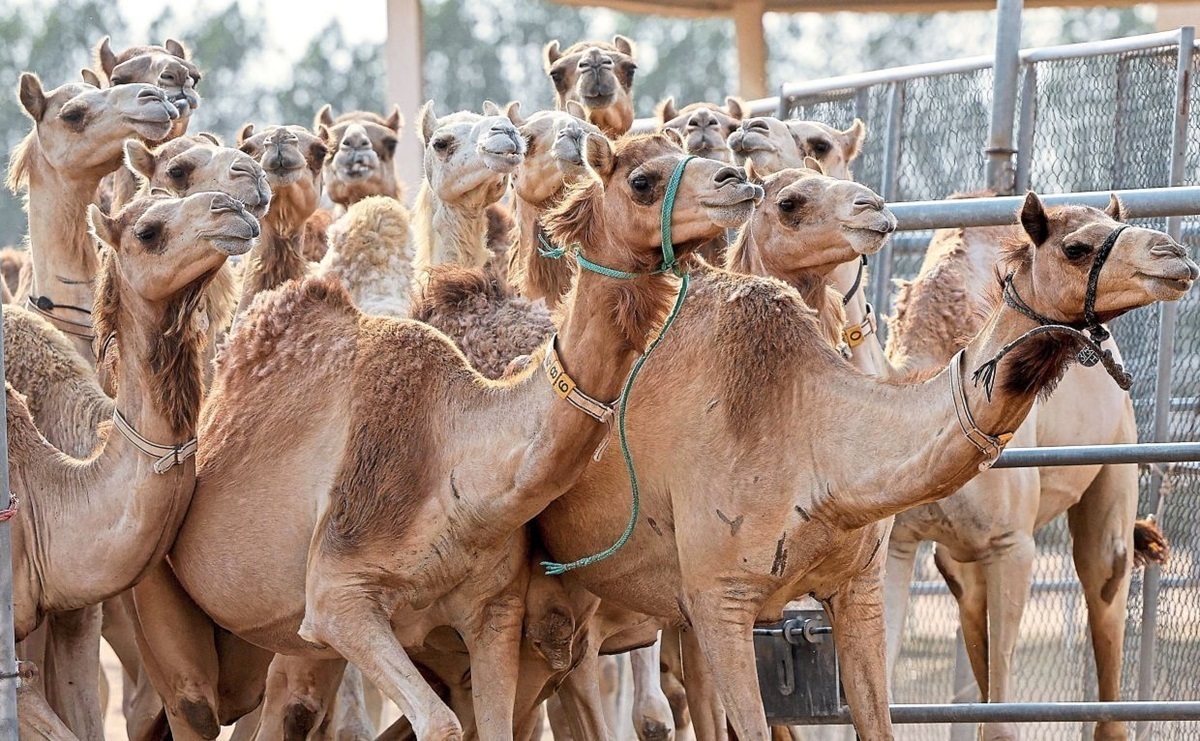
1162, 390
1028, 129
8, 651
891, 186
1004, 95
784, 104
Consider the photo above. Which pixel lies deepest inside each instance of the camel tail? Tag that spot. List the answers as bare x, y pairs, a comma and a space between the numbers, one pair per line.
1149, 543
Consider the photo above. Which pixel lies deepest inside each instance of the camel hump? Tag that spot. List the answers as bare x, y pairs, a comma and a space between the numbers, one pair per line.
453, 288
372, 230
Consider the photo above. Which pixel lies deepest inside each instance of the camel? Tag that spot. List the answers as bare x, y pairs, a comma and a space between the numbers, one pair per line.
984, 532
771, 145
370, 252
138, 481
361, 148
199, 162
292, 157
705, 126
468, 160
12, 262
77, 139
731, 530
598, 76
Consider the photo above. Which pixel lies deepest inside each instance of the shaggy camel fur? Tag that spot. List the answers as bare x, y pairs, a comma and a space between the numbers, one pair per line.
400, 385
705, 127
553, 161
468, 160
162, 252
598, 76
370, 252
292, 157
361, 159
984, 532
731, 530
76, 140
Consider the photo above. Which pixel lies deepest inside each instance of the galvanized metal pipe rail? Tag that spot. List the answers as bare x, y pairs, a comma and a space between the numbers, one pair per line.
1022, 712
1089, 455
1141, 203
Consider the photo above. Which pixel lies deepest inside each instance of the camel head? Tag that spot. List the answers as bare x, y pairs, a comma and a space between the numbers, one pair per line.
554, 155
598, 76
164, 244
773, 145
81, 129
292, 157
362, 147
809, 222
197, 163
1052, 266
617, 214
468, 157
705, 126
166, 66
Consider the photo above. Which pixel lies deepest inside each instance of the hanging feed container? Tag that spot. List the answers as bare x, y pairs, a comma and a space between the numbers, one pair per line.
798, 668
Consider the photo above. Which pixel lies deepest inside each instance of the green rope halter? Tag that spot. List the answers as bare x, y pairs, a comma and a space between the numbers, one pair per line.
670, 265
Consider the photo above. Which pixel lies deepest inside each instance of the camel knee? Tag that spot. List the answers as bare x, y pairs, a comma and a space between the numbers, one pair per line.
200, 714
299, 718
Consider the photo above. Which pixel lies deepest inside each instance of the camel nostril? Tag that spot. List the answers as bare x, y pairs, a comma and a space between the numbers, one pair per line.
729, 176
868, 202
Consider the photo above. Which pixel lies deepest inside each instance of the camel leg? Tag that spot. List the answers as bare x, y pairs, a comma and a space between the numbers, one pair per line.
652, 718
139, 702
856, 612
72, 665
1102, 543
897, 577
355, 623
579, 695
968, 585
494, 643
700, 689
351, 721
36, 719
723, 624
299, 692
1008, 572
671, 676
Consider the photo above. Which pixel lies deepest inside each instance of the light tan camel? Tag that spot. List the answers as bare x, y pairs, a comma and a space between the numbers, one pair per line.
138, 482
421, 583
198, 162
984, 532
292, 157
705, 127
730, 529
12, 262
598, 76
361, 158
468, 160
554, 161
370, 252
76, 140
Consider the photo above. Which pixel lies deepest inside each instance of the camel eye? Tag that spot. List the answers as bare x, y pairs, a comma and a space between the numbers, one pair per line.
640, 183
389, 145
788, 205
147, 233
1076, 251
441, 145
73, 115
176, 172
821, 147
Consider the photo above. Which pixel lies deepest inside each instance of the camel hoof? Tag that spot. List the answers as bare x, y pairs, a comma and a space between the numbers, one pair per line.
654, 730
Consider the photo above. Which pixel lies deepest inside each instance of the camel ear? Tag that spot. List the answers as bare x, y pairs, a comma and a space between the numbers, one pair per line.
734, 107
624, 45
1034, 219
324, 116
814, 164
852, 138
491, 109
101, 226
675, 136
176, 48
138, 158
666, 110
1116, 209
33, 97
106, 58
551, 54
324, 134
428, 122
90, 77
394, 121
576, 109
600, 155
513, 112
246, 132
211, 137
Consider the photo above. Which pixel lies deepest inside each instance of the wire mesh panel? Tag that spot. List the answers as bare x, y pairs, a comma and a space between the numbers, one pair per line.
839, 110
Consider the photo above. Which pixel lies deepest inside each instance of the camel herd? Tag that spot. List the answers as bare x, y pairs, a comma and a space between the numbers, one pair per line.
287, 486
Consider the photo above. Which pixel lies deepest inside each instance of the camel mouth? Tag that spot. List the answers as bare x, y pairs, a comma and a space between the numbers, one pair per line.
233, 246
733, 205
1169, 287
718, 152
284, 176
741, 142
599, 99
152, 130
502, 163
356, 164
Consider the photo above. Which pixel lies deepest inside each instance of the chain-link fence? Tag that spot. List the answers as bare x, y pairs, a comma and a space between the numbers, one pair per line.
1092, 122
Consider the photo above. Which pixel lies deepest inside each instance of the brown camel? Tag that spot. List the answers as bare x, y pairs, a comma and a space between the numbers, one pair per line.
598, 76
76, 140
705, 127
138, 482
984, 532
730, 530
292, 157
362, 147
771, 145
468, 160
365, 357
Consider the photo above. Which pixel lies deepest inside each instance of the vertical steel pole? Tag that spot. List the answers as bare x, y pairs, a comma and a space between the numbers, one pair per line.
890, 190
1005, 74
8, 651
1162, 389
1028, 130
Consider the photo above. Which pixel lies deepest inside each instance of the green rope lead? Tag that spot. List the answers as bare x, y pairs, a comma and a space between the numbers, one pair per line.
670, 264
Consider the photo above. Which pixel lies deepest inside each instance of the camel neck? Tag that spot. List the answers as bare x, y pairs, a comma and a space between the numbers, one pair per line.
61, 248
450, 232
868, 356
277, 258
541, 277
